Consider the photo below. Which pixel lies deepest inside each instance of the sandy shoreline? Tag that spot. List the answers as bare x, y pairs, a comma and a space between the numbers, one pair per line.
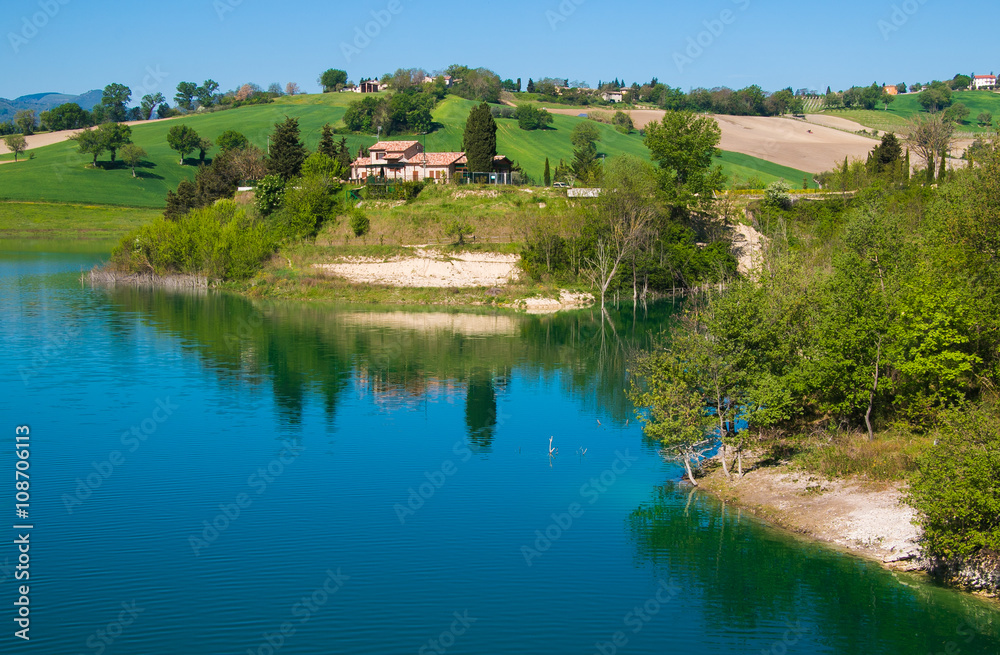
868, 520
429, 268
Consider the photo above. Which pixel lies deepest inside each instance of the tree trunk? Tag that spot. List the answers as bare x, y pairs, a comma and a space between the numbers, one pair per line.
723, 450
690, 475
871, 396
739, 462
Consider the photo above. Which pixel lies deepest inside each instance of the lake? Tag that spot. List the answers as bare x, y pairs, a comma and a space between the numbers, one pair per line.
214, 475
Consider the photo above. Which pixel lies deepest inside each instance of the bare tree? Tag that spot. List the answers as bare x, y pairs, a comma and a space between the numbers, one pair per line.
930, 137
627, 208
292, 89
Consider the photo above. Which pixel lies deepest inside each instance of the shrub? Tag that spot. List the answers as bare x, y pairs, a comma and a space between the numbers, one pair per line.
307, 205
957, 485
359, 223
269, 194
458, 228
776, 195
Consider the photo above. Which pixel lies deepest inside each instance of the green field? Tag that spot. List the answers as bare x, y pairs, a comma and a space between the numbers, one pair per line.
907, 106
34, 220
58, 173
739, 167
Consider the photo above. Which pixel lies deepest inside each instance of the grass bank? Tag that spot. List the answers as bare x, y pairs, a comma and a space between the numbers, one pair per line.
64, 221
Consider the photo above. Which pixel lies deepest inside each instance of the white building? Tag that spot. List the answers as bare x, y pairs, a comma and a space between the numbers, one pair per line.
984, 82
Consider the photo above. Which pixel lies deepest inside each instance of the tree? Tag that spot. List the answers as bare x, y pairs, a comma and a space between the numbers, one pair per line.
183, 139
935, 97
359, 223
292, 89
16, 143
68, 116
132, 155
985, 119
479, 141
25, 121
957, 113
584, 138
89, 143
887, 154
186, 92
530, 117
683, 145
928, 137
204, 145
181, 202
901, 87
206, 93
626, 208
531, 86
114, 99
287, 152
332, 80
548, 173
274, 89
113, 136
960, 82
231, 140
149, 103
326, 144
458, 228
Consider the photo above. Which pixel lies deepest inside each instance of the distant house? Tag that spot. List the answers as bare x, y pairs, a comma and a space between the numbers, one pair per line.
371, 86
984, 82
890, 90
407, 161
613, 96
428, 79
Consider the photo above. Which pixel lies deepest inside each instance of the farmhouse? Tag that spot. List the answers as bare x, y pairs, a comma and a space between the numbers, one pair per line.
612, 96
890, 90
407, 161
984, 82
371, 86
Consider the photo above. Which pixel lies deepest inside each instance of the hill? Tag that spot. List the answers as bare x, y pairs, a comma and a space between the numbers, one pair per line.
58, 173
40, 102
907, 106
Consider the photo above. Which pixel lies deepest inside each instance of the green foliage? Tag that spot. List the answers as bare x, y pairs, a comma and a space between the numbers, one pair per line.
683, 145
480, 139
547, 175
323, 166
69, 116
16, 143
269, 194
957, 488
777, 195
530, 117
231, 140
393, 191
113, 100
936, 97
333, 80
458, 228
392, 114
132, 155
308, 204
957, 113
286, 152
183, 139
359, 223
622, 122
222, 242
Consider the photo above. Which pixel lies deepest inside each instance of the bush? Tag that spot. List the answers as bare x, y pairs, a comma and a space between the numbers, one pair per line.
269, 194
458, 228
777, 195
359, 223
222, 242
957, 486
307, 205
395, 191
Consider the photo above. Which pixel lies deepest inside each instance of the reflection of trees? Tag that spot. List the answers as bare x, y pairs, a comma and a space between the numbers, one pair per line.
481, 409
303, 349
752, 577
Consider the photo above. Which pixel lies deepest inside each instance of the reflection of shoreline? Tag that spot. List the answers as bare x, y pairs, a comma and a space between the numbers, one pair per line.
455, 323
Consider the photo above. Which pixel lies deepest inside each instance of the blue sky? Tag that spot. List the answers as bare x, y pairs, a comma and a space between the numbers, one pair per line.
73, 46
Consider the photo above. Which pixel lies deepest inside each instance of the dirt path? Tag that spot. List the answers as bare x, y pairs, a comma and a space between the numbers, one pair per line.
868, 520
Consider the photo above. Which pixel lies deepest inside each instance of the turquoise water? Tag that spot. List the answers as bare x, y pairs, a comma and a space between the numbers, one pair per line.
212, 475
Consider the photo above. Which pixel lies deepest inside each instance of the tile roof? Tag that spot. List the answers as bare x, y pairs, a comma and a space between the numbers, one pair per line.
437, 158
394, 146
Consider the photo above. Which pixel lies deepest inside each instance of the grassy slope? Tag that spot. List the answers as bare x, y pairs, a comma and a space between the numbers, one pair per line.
29, 220
908, 106
58, 173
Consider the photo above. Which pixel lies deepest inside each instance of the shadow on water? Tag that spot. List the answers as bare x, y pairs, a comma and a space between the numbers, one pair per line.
758, 578
401, 357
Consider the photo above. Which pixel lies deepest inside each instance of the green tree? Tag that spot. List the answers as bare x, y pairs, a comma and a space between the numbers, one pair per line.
16, 143
547, 176
183, 139
683, 145
935, 97
149, 103
204, 145
458, 228
928, 137
326, 144
206, 93
887, 154
114, 136
114, 99
287, 152
231, 140
89, 143
25, 121
186, 93
344, 157
68, 116
132, 155
479, 140
960, 82
182, 202
957, 113
985, 119
584, 138
359, 223
957, 486
530, 117
332, 80
269, 194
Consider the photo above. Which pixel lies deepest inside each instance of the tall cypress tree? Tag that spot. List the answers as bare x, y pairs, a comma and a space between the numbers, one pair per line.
344, 155
326, 144
944, 165
548, 173
480, 139
286, 152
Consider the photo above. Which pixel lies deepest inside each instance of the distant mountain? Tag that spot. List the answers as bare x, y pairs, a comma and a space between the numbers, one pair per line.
44, 101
